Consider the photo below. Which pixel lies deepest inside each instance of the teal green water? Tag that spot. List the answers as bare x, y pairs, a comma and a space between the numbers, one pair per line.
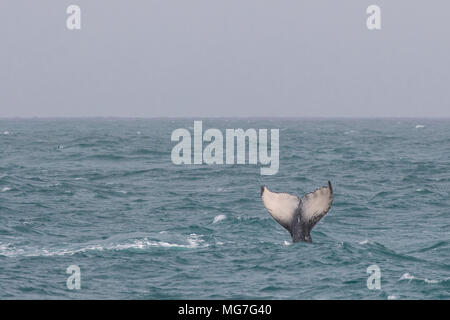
104, 195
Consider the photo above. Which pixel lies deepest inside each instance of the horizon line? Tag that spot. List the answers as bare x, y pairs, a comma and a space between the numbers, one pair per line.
227, 117
224, 117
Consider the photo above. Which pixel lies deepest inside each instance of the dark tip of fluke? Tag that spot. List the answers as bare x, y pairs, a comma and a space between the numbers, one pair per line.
329, 186
262, 189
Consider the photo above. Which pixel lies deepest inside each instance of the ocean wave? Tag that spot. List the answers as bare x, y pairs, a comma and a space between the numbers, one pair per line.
144, 151
433, 246
409, 277
218, 218
9, 250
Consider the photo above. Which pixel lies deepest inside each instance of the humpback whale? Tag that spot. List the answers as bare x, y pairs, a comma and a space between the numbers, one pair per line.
298, 215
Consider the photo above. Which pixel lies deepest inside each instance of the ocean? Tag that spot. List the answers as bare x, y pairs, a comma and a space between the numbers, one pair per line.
104, 195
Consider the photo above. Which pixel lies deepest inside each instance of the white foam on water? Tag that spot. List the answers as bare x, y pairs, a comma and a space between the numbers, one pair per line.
9, 250
392, 297
407, 276
431, 281
6, 133
287, 243
420, 126
194, 241
6, 189
364, 242
410, 277
4, 247
218, 218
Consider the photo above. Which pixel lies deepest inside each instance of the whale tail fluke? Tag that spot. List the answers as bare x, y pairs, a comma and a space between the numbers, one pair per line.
298, 215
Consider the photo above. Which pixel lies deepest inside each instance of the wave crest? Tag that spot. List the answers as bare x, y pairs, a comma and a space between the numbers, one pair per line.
9, 250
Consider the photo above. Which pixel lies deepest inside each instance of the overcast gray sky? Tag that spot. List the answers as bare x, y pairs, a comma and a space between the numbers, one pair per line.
230, 58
